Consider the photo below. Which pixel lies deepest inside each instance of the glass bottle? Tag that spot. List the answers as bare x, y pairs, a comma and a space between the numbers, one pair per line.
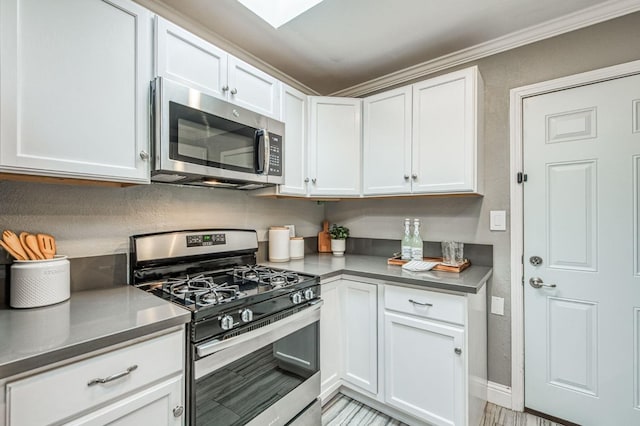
406, 241
416, 241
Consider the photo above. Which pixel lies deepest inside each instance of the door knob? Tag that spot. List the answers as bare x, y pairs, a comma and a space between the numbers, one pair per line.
234, 91
406, 177
144, 155
536, 282
225, 88
414, 176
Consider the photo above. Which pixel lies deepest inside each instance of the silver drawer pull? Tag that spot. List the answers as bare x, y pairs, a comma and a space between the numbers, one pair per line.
113, 377
419, 303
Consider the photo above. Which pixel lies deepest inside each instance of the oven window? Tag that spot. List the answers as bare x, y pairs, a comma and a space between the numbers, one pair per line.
238, 392
206, 139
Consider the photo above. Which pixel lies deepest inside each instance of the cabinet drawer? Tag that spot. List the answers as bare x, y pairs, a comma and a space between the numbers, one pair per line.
423, 303
64, 392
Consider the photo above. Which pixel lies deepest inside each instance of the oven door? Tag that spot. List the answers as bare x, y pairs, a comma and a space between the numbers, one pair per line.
264, 377
201, 135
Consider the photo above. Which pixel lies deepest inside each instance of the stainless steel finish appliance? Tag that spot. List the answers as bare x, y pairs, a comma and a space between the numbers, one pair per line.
202, 140
253, 338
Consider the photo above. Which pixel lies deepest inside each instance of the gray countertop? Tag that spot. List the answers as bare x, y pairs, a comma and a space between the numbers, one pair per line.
470, 280
89, 320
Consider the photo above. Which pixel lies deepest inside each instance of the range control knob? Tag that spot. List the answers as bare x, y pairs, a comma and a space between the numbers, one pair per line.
309, 294
296, 298
226, 322
246, 315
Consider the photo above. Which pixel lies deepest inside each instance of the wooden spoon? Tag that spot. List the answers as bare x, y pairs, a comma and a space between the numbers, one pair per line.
25, 246
47, 245
32, 243
12, 241
9, 250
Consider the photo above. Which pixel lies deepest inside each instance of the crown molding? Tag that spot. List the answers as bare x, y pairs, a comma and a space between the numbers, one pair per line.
567, 23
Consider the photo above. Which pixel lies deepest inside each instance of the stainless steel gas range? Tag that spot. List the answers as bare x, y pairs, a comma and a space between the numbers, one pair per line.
253, 338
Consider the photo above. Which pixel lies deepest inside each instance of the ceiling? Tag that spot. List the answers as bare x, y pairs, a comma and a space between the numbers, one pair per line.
341, 43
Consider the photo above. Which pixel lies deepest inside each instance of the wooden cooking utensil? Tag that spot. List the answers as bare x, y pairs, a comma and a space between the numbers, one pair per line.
32, 243
25, 246
11, 252
324, 240
12, 241
47, 245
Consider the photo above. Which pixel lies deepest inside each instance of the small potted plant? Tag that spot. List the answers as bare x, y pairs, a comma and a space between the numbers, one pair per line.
339, 236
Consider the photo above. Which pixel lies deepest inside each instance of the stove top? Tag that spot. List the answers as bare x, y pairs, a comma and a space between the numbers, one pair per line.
214, 274
214, 289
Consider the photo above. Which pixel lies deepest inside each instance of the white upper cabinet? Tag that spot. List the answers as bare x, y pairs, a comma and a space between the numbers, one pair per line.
334, 146
184, 57
447, 133
74, 89
387, 143
294, 115
425, 138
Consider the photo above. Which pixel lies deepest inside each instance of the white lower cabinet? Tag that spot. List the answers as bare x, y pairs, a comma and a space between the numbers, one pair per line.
330, 341
138, 384
360, 334
416, 354
423, 369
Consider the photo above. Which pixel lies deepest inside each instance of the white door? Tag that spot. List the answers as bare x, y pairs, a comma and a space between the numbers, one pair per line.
294, 116
360, 322
386, 152
334, 143
424, 375
582, 219
330, 341
253, 89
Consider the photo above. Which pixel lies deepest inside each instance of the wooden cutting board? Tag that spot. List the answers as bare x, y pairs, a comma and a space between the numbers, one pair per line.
443, 268
324, 239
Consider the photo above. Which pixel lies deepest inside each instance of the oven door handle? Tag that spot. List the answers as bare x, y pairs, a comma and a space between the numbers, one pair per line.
287, 325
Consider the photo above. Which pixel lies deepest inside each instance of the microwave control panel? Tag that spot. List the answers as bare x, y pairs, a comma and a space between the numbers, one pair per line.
275, 155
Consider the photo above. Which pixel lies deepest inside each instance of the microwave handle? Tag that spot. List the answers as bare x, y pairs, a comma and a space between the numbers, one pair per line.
260, 141
263, 151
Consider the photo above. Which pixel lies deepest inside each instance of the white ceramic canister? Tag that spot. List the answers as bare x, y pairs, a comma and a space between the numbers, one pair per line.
296, 248
37, 283
279, 244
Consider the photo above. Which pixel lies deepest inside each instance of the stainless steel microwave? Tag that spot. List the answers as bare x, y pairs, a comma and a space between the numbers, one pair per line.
198, 139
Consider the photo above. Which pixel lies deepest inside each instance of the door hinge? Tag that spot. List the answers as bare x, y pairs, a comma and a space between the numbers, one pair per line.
521, 177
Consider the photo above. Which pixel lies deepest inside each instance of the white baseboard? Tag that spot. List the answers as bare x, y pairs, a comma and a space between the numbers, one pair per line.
499, 394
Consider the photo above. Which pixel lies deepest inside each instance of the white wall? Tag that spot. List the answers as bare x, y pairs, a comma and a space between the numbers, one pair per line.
91, 221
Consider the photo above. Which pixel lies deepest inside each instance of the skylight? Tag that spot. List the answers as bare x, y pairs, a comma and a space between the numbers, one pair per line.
278, 12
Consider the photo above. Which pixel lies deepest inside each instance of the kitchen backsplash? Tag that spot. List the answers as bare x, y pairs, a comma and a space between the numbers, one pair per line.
94, 272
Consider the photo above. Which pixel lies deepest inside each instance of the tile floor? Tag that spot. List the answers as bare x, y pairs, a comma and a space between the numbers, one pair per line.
342, 410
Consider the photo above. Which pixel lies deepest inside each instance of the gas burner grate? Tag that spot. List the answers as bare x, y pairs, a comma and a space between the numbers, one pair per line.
265, 276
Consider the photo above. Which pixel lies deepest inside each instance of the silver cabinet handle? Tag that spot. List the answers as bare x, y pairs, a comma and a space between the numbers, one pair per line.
113, 377
414, 176
406, 177
225, 88
537, 282
313, 180
306, 180
144, 155
420, 303
458, 351
234, 91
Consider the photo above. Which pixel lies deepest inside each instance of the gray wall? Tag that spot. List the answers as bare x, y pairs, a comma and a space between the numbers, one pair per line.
92, 221
467, 219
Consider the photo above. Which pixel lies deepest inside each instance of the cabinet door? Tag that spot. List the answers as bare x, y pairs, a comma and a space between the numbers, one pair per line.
334, 142
424, 376
330, 342
360, 322
386, 156
186, 58
159, 405
294, 115
253, 89
445, 133
74, 85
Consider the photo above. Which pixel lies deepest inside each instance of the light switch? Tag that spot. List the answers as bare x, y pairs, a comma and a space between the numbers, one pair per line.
497, 305
498, 220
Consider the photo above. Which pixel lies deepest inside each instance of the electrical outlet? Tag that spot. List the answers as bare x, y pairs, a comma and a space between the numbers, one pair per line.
497, 305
